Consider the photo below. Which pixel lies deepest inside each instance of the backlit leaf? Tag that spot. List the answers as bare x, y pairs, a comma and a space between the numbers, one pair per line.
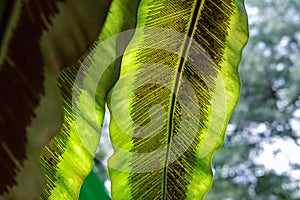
68, 157
177, 88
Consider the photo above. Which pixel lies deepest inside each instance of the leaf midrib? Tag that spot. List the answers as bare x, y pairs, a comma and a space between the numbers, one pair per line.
187, 42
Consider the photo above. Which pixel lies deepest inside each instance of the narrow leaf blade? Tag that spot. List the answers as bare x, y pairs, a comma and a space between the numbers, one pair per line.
68, 157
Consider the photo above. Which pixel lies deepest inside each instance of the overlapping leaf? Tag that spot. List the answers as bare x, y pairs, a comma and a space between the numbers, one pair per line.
37, 39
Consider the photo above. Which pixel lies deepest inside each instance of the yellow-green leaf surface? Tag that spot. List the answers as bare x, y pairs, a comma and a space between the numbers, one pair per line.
37, 39
68, 157
178, 85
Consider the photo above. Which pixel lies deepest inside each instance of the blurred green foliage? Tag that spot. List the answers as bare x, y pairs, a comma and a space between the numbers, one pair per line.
270, 75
